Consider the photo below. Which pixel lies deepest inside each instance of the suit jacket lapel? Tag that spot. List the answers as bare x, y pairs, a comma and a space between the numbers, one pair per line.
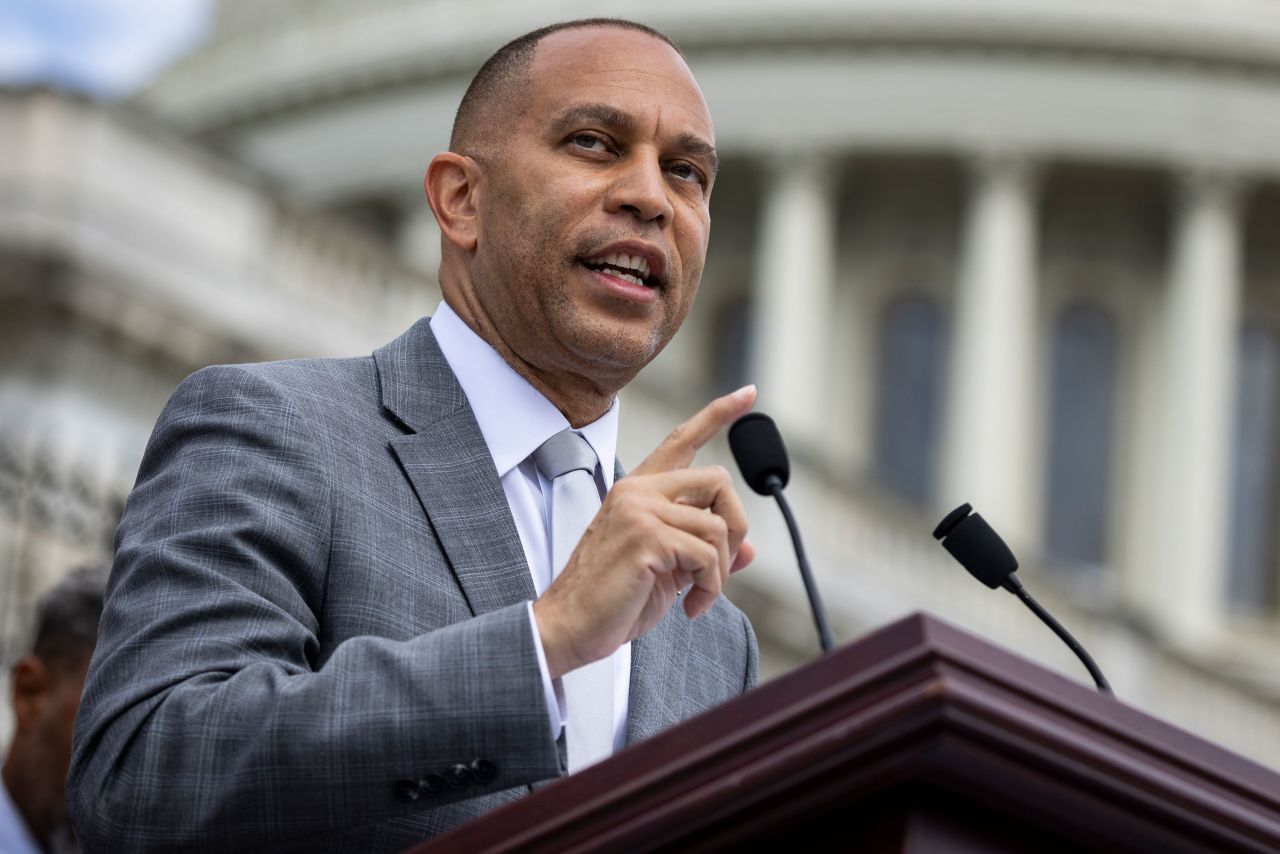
446, 460
452, 472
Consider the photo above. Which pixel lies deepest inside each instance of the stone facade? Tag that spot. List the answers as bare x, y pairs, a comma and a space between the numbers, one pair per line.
1022, 255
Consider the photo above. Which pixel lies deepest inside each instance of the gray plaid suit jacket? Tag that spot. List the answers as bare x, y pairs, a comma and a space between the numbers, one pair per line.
319, 592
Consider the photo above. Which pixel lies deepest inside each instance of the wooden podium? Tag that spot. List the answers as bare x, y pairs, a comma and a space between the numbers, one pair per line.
919, 737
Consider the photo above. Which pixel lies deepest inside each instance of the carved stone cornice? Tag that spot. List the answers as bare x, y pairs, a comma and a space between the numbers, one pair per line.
322, 52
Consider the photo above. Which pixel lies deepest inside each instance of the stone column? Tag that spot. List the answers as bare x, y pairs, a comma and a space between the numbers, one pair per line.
1200, 334
795, 277
987, 444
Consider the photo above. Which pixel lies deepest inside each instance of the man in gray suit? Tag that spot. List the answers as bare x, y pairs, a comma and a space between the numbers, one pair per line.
333, 621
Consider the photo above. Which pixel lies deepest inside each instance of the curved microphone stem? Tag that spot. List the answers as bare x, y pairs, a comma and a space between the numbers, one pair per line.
815, 602
1014, 586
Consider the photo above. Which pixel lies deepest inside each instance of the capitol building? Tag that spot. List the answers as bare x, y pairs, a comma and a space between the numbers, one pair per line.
1021, 254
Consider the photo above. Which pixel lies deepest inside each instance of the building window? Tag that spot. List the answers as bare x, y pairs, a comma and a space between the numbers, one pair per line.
1251, 575
1081, 419
909, 402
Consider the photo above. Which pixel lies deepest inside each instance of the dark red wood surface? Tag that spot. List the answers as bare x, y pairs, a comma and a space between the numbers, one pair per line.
917, 732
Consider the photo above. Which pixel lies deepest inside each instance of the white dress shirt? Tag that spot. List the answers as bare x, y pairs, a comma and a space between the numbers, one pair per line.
515, 419
14, 836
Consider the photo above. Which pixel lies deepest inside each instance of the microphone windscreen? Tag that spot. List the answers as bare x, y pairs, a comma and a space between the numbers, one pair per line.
757, 446
973, 542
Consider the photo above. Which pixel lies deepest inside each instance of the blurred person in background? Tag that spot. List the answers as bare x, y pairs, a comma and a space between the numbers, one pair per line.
45, 690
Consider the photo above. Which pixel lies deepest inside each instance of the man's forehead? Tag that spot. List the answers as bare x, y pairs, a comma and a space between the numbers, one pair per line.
569, 62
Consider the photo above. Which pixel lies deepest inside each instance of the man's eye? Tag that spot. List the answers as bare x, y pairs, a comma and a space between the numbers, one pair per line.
687, 172
591, 142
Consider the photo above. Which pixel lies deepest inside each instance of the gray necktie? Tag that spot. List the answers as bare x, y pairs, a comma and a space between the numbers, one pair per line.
568, 461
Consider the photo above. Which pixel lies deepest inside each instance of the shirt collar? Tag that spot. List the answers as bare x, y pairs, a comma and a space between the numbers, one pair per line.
514, 417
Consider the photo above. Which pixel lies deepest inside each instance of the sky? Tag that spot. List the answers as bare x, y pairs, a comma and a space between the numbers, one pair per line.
103, 48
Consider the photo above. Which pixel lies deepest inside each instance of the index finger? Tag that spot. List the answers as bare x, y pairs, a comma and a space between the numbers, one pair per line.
678, 449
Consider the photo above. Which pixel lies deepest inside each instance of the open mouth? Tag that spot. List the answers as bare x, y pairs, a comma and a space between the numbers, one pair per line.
629, 268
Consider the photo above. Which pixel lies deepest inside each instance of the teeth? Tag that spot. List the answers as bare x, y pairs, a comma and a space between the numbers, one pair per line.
623, 261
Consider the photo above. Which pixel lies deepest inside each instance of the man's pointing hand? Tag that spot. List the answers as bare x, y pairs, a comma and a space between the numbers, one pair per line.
663, 528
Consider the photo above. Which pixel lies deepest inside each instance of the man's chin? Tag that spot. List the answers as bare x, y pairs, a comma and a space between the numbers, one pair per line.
615, 347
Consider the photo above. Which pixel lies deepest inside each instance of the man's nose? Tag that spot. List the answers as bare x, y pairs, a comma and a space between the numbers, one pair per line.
641, 190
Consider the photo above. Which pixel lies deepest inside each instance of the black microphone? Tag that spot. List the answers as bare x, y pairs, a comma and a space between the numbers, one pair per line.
757, 447
980, 550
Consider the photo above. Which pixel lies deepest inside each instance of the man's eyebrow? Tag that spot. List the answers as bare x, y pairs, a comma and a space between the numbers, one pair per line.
695, 146
606, 116
595, 114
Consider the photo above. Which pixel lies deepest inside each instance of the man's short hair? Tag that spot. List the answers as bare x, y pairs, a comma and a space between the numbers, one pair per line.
67, 617
495, 82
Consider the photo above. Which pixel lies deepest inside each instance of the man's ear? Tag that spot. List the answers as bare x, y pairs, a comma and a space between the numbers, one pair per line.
32, 684
453, 191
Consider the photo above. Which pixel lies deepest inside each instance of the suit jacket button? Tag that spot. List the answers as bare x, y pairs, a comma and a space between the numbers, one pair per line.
407, 791
431, 785
484, 770
458, 777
